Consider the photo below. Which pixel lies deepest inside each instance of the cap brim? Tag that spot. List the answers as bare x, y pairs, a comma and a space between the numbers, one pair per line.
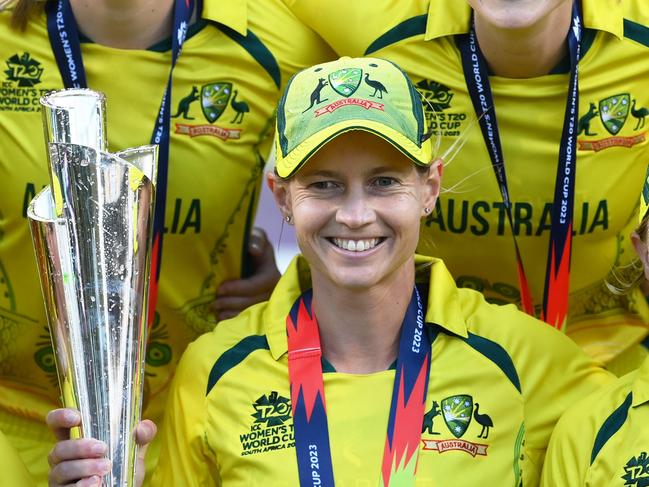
287, 166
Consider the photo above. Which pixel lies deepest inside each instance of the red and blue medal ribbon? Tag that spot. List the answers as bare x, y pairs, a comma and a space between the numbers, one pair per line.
64, 38
311, 429
557, 280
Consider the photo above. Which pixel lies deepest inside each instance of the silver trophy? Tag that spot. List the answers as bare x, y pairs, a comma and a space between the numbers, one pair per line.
91, 230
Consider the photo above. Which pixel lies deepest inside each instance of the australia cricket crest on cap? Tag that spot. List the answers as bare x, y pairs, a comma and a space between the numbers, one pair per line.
613, 112
346, 81
214, 99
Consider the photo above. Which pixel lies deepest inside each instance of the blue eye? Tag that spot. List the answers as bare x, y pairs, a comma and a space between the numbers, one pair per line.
384, 181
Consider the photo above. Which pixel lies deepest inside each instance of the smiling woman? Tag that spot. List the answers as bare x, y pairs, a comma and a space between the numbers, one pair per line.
358, 224
357, 319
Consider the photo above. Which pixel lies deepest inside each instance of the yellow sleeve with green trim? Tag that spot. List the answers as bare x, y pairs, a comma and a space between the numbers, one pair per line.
603, 439
563, 377
183, 460
566, 462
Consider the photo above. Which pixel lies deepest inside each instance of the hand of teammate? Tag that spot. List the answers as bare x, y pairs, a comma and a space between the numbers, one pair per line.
233, 297
82, 462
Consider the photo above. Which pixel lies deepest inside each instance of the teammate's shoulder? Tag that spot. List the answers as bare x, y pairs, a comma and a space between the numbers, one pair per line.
272, 34
635, 19
499, 320
364, 26
524, 338
596, 417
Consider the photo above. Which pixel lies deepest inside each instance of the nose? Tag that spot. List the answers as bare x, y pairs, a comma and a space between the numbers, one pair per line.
355, 210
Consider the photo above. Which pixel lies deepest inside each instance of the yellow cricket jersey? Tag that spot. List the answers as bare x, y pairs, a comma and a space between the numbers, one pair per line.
604, 439
229, 414
13, 472
225, 88
469, 228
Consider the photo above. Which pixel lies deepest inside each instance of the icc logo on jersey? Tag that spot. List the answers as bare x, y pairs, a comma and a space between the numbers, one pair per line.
636, 471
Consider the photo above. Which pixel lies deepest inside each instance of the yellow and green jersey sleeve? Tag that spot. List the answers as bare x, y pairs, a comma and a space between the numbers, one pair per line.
229, 413
469, 227
226, 84
603, 439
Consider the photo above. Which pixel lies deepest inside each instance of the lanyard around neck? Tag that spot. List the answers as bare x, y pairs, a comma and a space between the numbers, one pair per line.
557, 278
64, 38
407, 407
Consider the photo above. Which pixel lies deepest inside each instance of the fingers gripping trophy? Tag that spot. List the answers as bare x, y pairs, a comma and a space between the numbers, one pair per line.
91, 230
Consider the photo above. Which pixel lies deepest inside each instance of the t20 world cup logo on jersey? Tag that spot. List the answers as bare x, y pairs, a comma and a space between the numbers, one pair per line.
24, 69
636, 471
441, 118
272, 410
272, 428
21, 87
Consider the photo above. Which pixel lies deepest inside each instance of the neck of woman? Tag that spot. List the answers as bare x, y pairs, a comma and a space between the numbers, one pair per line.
360, 329
124, 24
525, 52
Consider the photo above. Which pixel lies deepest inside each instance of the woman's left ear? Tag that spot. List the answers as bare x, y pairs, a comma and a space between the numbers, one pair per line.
433, 181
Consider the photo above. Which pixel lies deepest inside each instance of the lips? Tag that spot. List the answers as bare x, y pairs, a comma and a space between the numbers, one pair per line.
360, 245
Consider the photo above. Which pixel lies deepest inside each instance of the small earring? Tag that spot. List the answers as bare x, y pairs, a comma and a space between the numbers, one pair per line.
288, 219
427, 210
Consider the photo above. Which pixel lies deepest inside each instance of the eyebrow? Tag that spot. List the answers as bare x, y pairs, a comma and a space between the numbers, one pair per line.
322, 172
377, 170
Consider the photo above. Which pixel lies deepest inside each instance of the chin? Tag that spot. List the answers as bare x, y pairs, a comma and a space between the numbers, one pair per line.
514, 14
355, 281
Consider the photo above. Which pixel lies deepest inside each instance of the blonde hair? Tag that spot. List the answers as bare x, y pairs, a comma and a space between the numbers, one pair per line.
21, 11
627, 277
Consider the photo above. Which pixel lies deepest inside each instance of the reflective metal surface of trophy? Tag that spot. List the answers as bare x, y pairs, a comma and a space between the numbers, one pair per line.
91, 230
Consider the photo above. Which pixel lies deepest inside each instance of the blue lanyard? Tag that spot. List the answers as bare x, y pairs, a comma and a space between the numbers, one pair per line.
557, 280
64, 38
407, 407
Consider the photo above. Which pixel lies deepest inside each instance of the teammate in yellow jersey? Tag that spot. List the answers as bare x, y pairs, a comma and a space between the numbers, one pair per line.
14, 472
525, 45
296, 391
604, 439
225, 87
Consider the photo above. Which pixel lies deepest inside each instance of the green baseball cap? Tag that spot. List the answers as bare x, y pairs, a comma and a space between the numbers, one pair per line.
329, 99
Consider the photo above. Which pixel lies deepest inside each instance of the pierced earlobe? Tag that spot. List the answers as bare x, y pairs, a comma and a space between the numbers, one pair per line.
288, 219
427, 210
